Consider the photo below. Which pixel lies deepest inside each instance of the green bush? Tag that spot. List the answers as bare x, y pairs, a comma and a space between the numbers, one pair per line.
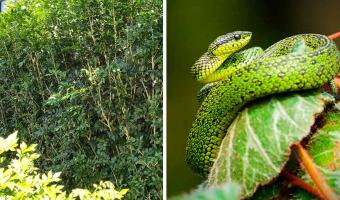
21, 180
83, 80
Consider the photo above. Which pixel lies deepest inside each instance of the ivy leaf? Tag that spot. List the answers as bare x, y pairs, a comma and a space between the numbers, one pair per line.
257, 144
228, 191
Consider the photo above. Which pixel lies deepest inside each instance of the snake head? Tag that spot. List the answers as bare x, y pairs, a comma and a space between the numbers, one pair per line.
229, 43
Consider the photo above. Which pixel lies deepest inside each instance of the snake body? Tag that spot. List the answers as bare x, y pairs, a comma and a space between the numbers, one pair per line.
276, 70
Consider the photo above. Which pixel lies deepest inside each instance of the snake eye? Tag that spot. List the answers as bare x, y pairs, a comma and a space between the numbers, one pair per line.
237, 37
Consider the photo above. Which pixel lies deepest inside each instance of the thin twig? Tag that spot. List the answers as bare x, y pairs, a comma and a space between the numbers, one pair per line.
334, 36
336, 79
313, 172
296, 181
337, 82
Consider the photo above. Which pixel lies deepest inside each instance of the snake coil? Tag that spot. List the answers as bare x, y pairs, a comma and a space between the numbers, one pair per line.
238, 78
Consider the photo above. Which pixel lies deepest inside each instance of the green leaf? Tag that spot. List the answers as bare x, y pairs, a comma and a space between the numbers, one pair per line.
324, 144
228, 191
9, 143
257, 144
21, 180
81, 193
271, 191
324, 148
123, 192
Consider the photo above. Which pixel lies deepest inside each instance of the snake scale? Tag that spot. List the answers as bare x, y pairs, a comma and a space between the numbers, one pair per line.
234, 79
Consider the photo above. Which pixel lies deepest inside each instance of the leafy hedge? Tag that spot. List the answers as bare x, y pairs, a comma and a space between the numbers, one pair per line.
83, 80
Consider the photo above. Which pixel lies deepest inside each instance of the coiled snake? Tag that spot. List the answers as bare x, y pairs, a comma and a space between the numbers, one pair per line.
296, 63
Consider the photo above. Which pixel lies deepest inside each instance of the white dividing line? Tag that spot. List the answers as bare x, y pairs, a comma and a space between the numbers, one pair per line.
245, 166
323, 153
230, 149
276, 131
257, 143
309, 103
286, 116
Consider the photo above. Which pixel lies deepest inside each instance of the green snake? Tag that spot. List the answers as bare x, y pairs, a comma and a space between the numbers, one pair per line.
299, 62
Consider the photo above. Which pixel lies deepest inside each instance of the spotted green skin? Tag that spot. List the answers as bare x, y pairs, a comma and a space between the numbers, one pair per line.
207, 68
239, 58
275, 71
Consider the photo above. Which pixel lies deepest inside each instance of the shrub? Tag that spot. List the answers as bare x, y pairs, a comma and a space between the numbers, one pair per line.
20, 179
83, 80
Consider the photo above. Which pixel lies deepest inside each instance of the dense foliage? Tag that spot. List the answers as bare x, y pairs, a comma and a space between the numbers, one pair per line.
82, 79
20, 179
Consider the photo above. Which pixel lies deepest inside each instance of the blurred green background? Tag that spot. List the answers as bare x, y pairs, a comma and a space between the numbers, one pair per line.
192, 25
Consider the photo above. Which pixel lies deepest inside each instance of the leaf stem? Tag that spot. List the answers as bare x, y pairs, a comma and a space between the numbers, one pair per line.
296, 181
337, 82
314, 173
334, 36
336, 79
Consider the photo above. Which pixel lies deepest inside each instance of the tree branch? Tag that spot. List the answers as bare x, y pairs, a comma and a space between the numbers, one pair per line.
296, 181
334, 36
313, 172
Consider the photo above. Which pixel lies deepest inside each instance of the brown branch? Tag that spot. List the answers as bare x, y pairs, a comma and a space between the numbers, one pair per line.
336, 80
296, 181
313, 172
328, 86
334, 36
